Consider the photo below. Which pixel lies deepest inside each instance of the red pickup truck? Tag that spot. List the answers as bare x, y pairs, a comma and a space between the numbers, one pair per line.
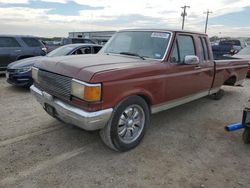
136, 74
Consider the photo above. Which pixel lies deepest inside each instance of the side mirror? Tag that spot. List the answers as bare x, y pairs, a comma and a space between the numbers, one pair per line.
191, 60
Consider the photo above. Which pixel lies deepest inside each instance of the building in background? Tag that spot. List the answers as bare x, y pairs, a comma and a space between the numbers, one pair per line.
100, 37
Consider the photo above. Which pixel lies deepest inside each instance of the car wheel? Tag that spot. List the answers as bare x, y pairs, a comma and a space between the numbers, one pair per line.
246, 136
127, 125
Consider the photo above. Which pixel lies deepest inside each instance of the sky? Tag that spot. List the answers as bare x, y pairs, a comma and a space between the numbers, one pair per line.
49, 18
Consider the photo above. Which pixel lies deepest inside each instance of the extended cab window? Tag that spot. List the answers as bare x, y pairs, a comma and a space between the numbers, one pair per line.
206, 47
184, 45
204, 50
8, 42
32, 42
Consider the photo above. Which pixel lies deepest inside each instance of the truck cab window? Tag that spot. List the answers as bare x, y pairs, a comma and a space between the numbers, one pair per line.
175, 58
184, 45
203, 47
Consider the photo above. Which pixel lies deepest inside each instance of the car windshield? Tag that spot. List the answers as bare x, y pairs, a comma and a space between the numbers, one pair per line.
144, 44
61, 51
245, 51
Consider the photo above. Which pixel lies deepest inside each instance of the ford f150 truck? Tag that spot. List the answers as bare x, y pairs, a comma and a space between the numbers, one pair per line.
136, 74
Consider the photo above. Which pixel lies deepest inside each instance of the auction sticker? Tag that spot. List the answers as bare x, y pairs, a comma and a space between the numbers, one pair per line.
160, 35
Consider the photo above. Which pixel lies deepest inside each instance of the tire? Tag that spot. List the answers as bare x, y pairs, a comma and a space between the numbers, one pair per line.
246, 136
218, 95
128, 124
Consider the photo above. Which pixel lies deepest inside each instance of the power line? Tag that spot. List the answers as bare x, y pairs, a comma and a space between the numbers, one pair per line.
184, 14
208, 12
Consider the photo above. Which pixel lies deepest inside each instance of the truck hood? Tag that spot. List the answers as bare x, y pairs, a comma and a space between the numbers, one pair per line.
83, 67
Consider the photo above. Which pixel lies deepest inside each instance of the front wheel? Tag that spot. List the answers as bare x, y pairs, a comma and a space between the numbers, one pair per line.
128, 124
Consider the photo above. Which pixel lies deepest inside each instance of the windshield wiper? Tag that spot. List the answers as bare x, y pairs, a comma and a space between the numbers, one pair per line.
132, 54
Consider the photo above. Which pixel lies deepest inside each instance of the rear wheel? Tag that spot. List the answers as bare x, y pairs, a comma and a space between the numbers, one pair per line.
128, 124
246, 136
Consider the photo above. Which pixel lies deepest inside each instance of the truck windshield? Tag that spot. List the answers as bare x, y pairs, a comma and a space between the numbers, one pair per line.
144, 44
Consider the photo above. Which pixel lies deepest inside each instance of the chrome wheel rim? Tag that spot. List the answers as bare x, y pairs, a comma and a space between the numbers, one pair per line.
131, 123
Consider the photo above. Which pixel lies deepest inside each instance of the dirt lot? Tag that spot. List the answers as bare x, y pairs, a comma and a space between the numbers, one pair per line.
184, 147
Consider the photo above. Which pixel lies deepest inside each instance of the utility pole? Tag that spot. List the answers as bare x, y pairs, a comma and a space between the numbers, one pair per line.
184, 14
207, 19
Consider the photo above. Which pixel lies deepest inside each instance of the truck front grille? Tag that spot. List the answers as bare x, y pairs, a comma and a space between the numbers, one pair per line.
54, 83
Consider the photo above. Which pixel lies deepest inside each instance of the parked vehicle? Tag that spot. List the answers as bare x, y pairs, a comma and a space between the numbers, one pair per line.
19, 73
51, 45
16, 47
230, 47
65, 41
244, 54
136, 74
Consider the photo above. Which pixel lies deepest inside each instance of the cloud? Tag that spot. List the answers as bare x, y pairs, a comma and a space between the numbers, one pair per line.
14, 1
114, 15
55, 1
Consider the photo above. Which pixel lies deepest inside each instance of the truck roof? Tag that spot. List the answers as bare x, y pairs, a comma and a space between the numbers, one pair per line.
164, 30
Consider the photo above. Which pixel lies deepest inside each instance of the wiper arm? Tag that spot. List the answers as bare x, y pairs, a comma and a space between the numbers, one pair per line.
132, 54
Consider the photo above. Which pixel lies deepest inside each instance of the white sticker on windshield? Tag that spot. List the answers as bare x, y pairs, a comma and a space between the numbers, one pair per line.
160, 35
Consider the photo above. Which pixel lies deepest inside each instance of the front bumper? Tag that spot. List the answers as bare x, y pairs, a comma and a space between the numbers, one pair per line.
2, 69
71, 114
19, 79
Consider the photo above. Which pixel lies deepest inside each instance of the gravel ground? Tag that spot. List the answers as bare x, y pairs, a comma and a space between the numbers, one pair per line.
184, 147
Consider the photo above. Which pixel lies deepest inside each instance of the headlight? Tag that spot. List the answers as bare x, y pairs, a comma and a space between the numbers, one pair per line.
35, 74
85, 91
23, 70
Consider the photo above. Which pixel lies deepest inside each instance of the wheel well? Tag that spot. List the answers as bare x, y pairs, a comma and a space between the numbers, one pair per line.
23, 57
147, 100
230, 81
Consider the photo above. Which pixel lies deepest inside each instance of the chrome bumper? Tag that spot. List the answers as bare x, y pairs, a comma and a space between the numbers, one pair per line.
72, 115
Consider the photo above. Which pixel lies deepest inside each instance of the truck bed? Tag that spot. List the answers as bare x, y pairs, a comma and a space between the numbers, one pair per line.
230, 71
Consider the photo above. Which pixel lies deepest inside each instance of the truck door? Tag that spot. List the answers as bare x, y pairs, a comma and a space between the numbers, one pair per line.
187, 82
206, 62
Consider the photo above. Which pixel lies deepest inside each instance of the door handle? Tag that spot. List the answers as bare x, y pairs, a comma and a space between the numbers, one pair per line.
197, 67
